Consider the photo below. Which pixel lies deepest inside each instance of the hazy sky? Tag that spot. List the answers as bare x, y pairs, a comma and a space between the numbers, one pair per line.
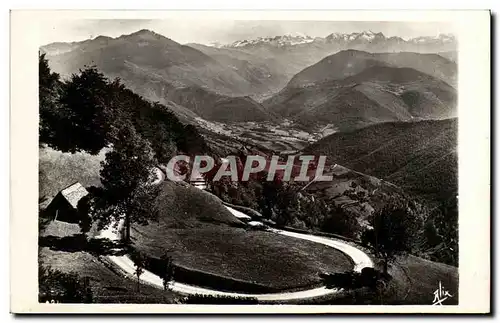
227, 31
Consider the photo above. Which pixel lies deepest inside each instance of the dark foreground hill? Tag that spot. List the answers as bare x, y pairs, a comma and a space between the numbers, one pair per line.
202, 236
420, 157
195, 229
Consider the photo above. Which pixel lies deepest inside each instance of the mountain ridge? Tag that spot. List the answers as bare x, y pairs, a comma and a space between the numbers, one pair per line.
347, 39
153, 53
351, 61
376, 94
420, 157
218, 83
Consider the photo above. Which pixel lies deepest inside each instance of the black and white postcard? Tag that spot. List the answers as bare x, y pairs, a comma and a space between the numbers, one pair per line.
322, 161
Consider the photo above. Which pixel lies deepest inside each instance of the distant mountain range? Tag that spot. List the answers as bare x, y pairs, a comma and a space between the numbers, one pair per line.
284, 40
148, 53
312, 81
183, 78
291, 53
366, 40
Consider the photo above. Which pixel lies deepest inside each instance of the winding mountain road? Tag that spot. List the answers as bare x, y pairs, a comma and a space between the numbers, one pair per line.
360, 259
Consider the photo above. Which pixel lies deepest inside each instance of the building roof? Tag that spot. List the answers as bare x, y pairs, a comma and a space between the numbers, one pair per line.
61, 229
74, 193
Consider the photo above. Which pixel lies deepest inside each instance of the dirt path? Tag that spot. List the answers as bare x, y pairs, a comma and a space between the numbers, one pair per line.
359, 258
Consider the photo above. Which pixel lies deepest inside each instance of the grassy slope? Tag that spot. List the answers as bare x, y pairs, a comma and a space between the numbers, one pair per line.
108, 285
201, 235
183, 207
255, 256
414, 281
112, 287
58, 170
419, 157
192, 219
423, 277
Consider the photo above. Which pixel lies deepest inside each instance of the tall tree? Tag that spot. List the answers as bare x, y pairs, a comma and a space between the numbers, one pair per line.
79, 114
48, 95
140, 264
286, 205
167, 270
191, 142
341, 221
85, 114
394, 229
126, 173
270, 193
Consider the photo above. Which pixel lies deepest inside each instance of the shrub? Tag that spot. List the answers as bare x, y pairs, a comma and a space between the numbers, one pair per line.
368, 277
167, 270
56, 286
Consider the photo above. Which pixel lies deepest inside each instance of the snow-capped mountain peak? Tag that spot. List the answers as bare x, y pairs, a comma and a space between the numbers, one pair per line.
362, 38
216, 44
289, 39
444, 38
296, 34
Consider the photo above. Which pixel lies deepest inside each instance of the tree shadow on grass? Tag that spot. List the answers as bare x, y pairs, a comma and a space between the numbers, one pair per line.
79, 243
368, 287
368, 277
